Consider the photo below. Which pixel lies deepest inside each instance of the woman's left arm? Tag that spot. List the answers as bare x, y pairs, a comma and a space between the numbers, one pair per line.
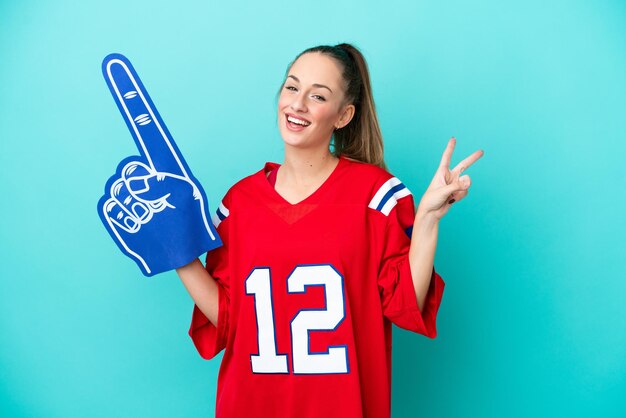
446, 187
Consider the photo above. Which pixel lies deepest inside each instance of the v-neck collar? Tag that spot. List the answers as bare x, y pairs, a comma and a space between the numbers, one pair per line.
311, 198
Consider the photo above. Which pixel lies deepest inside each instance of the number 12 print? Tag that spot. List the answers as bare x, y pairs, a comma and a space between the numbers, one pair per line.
335, 360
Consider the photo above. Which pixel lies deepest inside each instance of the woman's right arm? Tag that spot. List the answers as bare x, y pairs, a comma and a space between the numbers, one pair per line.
201, 287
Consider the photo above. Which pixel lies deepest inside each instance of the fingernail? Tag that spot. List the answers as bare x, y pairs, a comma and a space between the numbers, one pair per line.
130, 223
138, 185
140, 211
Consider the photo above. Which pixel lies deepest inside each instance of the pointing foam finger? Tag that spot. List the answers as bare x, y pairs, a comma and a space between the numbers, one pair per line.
141, 117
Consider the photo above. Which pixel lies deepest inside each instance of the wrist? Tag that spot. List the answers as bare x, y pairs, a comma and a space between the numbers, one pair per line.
425, 219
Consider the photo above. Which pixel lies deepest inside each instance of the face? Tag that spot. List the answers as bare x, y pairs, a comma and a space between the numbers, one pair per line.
312, 97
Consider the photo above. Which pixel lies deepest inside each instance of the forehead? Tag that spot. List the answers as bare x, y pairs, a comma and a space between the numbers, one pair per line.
314, 67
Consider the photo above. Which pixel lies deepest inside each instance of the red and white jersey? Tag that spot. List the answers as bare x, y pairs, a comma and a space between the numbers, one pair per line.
308, 293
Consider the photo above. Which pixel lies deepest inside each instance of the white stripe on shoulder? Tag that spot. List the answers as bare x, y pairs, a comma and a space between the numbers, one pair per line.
388, 195
220, 214
382, 191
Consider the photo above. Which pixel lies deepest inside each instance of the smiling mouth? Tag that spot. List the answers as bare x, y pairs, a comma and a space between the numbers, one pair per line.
295, 121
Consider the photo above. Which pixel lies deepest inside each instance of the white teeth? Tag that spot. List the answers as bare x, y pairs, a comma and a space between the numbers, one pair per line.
298, 121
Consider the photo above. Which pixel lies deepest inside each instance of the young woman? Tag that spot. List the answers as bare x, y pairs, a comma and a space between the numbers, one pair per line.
321, 255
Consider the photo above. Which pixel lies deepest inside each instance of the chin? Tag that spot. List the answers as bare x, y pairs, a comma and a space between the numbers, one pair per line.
291, 138
294, 142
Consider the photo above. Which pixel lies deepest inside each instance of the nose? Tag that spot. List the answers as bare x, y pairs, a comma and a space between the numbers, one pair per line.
297, 104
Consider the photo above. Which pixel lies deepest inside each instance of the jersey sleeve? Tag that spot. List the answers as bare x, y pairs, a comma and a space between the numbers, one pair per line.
395, 280
208, 338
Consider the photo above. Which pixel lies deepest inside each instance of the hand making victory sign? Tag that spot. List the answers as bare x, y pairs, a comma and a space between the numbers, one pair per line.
447, 186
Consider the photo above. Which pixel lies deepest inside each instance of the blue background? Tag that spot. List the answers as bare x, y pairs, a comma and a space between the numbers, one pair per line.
532, 321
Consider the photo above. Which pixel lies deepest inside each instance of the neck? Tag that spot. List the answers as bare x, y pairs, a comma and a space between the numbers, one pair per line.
306, 166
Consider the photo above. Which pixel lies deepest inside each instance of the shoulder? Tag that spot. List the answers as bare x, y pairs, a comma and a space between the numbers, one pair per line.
382, 190
250, 182
368, 173
241, 189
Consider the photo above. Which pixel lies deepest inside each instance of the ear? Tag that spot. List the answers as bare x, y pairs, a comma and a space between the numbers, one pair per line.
346, 116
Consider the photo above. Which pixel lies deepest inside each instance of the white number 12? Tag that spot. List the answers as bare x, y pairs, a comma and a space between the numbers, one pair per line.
268, 360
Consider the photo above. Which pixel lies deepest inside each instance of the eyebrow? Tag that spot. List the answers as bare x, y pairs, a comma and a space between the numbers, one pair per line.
314, 85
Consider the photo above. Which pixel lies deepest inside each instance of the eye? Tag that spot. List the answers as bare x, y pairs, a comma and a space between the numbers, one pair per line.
315, 96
